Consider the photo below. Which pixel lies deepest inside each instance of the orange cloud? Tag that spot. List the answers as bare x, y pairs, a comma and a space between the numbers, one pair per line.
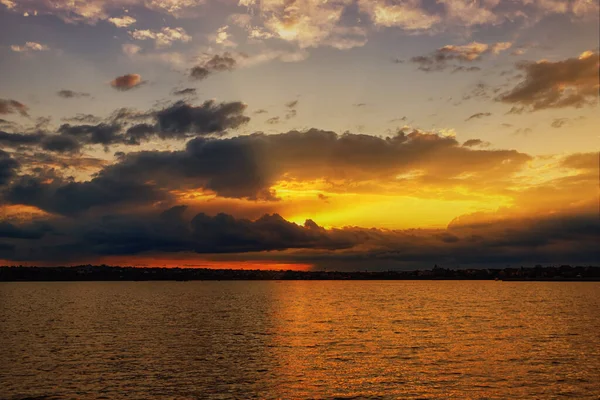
127, 82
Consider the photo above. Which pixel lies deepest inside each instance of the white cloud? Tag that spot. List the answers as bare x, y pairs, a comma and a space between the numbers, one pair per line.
241, 20
29, 46
222, 37
130, 49
123, 21
163, 38
408, 15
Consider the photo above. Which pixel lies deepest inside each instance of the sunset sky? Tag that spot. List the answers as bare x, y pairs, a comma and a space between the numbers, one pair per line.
340, 134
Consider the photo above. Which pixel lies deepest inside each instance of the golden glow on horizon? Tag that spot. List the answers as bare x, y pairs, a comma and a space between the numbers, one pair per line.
178, 261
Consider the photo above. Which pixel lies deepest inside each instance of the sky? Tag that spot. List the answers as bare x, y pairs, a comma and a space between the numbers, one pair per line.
323, 134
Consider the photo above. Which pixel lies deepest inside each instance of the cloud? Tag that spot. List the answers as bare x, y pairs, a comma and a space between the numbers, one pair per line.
447, 56
475, 143
313, 23
8, 106
69, 94
272, 121
568, 83
163, 38
55, 143
249, 166
408, 15
199, 73
185, 92
127, 82
8, 167
559, 122
131, 49
61, 143
523, 131
29, 47
176, 121
582, 161
73, 198
122, 22
241, 20
560, 238
208, 118
224, 234
462, 68
83, 118
9, 230
19, 139
102, 133
92, 11
479, 115
216, 63
223, 38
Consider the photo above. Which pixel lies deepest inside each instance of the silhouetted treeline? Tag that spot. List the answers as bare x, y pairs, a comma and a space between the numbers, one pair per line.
110, 273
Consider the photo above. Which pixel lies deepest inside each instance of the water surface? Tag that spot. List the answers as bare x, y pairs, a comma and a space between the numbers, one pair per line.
301, 339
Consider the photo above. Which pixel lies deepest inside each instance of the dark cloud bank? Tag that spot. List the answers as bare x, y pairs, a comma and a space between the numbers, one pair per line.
115, 213
549, 240
177, 121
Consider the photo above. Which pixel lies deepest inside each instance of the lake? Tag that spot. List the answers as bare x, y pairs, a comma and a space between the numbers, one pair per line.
300, 340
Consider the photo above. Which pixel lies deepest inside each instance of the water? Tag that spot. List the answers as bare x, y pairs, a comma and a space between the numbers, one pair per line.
296, 340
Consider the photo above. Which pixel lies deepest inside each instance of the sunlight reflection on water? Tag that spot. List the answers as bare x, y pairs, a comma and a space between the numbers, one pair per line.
291, 340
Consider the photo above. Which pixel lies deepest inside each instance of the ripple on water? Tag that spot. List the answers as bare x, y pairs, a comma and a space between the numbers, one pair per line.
299, 340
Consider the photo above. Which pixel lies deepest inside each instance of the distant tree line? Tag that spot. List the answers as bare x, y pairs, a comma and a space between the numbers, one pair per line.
115, 273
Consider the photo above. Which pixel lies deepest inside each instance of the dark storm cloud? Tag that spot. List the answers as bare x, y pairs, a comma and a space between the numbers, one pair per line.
479, 115
138, 133
179, 120
70, 94
568, 83
8, 168
173, 231
73, 198
8, 106
559, 238
208, 118
185, 92
9, 230
19, 139
247, 166
56, 143
556, 239
127, 82
225, 234
61, 144
93, 134
217, 63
